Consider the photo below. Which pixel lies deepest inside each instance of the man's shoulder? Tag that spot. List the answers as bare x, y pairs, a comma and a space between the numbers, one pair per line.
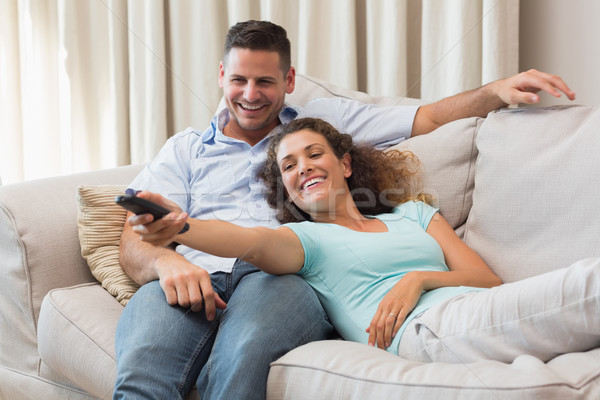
320, 103
191, 135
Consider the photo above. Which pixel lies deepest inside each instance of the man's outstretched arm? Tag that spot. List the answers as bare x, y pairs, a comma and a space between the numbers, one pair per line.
520, 88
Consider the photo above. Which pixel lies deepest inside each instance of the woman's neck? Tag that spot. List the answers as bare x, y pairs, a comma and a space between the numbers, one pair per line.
351, 218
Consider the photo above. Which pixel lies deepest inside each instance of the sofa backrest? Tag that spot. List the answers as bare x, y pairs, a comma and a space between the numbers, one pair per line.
537, 190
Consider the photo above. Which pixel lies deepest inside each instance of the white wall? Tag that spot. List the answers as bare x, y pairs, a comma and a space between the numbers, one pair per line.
563, 37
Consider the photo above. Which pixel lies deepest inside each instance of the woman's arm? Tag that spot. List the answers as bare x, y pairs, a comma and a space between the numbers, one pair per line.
276, 251
466, 269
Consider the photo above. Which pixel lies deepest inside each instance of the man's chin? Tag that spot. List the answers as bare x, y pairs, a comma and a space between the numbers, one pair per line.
255, 125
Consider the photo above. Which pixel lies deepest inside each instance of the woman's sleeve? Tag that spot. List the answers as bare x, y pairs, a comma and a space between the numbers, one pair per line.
309, 238
417, 211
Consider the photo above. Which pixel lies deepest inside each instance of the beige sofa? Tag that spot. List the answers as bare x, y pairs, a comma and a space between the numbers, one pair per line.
520, 186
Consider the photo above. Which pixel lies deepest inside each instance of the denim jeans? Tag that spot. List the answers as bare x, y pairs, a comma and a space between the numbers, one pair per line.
163, 350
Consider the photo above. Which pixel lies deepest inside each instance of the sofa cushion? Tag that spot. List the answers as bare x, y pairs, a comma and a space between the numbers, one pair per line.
347, 370
100, 221
536, 190
447, 161
39, 251
76, 336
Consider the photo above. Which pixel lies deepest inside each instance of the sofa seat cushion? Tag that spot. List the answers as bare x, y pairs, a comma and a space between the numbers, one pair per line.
76, 336
535, 202
347, 370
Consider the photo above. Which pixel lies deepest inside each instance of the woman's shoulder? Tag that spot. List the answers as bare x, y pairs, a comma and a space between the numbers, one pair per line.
412, 206
415, 210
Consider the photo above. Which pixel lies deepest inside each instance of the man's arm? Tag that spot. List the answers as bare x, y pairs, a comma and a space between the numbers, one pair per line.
520, 88
184, 283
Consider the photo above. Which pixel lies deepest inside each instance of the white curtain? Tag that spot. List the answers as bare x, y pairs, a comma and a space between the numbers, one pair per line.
89, 84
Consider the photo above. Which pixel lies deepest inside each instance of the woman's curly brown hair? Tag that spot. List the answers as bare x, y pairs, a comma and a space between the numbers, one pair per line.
380, 180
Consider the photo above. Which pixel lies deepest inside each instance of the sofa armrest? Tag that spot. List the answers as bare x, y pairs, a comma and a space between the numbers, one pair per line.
40, 251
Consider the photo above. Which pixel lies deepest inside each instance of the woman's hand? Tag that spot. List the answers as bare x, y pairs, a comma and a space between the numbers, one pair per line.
393, 309
161, 232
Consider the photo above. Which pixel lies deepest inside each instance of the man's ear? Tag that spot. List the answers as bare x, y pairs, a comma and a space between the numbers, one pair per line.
290, 80
221, 74
347, 163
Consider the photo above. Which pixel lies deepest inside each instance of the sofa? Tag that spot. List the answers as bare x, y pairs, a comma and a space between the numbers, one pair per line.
519, 186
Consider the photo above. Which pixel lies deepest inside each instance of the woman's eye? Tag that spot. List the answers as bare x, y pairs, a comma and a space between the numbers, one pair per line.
315, 155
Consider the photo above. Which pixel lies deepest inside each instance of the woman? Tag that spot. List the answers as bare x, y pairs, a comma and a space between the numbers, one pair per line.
381, 259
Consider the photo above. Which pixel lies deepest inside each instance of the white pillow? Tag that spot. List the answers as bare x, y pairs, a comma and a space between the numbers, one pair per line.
537, 190
447, 157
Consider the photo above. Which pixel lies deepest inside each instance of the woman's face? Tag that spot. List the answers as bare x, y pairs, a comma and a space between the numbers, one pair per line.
313, 176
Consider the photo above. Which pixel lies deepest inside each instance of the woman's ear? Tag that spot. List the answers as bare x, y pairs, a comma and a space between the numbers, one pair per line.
347, 163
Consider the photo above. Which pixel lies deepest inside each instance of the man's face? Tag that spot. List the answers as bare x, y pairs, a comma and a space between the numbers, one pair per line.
254, 87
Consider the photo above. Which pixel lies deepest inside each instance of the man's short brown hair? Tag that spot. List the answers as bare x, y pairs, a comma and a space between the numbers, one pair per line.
260, 35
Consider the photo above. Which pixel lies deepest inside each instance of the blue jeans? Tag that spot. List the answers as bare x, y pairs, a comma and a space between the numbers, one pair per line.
163, 350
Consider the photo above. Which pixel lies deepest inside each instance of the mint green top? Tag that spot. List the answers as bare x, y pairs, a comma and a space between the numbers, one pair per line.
352, 271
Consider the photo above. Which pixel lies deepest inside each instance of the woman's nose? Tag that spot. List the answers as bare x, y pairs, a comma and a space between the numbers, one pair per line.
304, 167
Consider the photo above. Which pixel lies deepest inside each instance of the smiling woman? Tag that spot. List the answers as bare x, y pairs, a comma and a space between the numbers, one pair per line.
385, 179
402, 270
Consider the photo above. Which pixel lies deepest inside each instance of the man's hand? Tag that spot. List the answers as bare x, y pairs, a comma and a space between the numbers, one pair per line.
187, 285
520, 88
523, 87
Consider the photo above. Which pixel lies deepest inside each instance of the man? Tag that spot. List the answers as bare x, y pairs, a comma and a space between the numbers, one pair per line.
218, 323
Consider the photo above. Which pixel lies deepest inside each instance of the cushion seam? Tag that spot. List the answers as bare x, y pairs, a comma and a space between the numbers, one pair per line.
360, 379
54, 304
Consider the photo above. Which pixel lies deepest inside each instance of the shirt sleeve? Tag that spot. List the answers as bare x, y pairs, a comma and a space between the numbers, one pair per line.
309, 238
417, 211
378, 126
168, 173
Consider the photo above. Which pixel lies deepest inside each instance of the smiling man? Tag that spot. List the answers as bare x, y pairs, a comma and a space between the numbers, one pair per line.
252, 88
218, 323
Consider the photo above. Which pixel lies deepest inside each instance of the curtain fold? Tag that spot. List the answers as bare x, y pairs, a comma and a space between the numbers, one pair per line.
466, 44
101, 83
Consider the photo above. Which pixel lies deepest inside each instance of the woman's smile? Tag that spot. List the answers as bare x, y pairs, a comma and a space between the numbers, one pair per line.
312, 182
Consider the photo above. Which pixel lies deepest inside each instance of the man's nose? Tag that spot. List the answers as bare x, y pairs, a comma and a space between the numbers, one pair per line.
252, 93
